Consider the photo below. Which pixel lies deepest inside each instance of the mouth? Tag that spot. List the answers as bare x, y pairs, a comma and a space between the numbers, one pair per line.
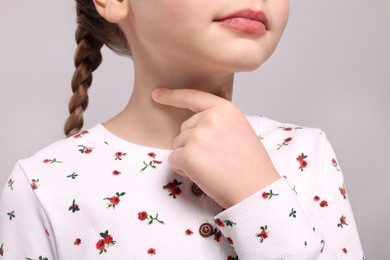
246, 20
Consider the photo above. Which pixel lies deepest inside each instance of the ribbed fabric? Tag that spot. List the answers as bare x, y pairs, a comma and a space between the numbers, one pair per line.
96, 196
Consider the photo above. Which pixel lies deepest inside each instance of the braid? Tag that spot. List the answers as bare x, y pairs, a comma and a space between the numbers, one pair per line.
87, 58
92, 33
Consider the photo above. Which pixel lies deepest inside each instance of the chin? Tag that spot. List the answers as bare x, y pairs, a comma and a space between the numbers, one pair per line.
248, 62
246, 57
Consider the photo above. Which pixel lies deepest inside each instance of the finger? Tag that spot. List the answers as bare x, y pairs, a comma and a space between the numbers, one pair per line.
194, 100
191, 122
223, 94
174, 161
181, 139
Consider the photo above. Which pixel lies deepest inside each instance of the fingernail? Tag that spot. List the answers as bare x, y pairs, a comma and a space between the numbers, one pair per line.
156, 93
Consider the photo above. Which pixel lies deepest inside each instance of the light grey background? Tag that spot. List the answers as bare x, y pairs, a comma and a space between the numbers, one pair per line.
331, 70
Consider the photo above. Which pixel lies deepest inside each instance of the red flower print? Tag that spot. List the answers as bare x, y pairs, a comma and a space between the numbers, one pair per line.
10, 183
189, 232
80, 135
34, 184
224, 223
120, 155
173, 188
335, 164
152, 163
285, 143
268, 195
85, 150
114, 200
230, 241
217, 235
232, 257
219, 222
142, 215
302, 162
287, 129
51, 161
343, 192
323, 245
343, 221
263, 234
151, 251
345, 250
116, 173
316, 198
100, 245
74, 207
77, 242
176, 191
106, 239
323, 204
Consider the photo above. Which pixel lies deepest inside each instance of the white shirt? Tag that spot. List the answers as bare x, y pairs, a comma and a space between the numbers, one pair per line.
96, 196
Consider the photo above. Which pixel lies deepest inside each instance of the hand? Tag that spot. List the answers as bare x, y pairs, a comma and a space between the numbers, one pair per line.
217, 147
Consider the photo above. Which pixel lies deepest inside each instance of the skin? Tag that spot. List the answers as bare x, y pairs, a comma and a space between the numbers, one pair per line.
184, 65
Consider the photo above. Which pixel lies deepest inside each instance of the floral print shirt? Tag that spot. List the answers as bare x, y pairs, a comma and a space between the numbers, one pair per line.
96, 196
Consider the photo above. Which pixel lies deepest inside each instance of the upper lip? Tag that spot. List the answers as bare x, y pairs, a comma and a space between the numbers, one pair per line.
248, 14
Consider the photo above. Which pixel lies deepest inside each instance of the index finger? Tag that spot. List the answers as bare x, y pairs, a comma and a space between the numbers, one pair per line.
192, 99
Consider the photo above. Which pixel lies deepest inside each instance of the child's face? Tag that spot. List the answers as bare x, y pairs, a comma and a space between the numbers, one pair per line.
184, 33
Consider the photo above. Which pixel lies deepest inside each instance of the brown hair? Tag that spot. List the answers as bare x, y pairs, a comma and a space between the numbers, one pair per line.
92, 32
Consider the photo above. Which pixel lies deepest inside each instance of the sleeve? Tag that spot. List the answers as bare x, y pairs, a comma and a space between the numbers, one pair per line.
24, 227
336, 221
271, 223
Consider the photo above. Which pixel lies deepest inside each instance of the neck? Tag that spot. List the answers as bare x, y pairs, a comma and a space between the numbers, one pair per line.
150, 124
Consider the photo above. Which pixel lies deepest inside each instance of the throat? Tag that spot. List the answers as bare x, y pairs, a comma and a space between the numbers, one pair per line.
147, 123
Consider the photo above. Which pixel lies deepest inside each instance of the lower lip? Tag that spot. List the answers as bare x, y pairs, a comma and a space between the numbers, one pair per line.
243, 24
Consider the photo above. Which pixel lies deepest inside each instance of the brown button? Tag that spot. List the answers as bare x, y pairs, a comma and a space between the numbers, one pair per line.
196, 190
206, 230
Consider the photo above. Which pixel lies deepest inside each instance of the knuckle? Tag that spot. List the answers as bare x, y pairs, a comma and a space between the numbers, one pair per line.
212, 117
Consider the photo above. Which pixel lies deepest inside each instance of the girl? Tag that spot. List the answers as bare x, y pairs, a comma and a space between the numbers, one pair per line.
180, 173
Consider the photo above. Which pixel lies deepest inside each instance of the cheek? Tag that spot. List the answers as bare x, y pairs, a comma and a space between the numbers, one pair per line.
281, 13
172, 23
153, 21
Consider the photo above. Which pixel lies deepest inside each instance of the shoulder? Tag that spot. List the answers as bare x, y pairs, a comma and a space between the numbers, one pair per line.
267, 128
293, 149
67, 150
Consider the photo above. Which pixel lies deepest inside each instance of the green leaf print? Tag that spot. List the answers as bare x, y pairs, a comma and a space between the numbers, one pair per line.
11, 215
263, 234
74, 207
72, 176
51, 161
114, 200
293, 213
152, 163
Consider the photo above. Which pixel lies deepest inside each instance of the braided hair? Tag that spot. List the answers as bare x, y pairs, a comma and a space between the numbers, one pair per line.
92, 32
